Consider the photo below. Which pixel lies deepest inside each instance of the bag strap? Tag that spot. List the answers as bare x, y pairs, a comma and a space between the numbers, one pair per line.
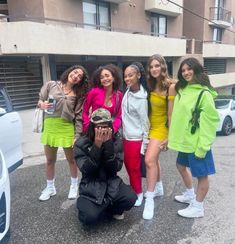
167, 102
196, 112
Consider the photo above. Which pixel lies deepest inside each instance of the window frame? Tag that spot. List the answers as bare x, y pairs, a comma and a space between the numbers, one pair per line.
98, 4
153, 27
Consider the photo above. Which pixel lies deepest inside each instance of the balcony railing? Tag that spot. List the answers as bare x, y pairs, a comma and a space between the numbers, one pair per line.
220, 14
194, 46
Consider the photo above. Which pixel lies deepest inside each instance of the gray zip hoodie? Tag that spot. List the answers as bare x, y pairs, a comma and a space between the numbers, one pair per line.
135, 115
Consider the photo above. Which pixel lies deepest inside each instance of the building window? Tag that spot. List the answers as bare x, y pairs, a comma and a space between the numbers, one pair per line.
96, 15
158, 25
217, 35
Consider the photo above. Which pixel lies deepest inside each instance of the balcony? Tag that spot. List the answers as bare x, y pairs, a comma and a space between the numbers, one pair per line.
221, 17
164, 7
222, 80
217, 50
27, 37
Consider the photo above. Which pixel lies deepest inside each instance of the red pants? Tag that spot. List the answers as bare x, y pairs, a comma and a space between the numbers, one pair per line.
132, 160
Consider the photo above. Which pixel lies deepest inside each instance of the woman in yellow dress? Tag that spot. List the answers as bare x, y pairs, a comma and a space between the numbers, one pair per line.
162, 92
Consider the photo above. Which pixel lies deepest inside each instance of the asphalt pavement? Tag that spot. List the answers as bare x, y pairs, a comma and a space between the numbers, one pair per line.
55, 221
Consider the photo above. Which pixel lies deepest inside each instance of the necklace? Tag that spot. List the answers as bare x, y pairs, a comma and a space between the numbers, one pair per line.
66, 91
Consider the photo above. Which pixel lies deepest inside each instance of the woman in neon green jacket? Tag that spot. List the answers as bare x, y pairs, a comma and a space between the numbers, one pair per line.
193, 144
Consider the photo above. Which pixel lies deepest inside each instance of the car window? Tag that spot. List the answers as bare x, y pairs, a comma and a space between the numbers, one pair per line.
2, 101
5, 101
223, 103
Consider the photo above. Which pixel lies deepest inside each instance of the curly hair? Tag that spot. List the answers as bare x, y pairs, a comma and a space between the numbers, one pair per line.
80, 89
164, 78
114, 70
199, 77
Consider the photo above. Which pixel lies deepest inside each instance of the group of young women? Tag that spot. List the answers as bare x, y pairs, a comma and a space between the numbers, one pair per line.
155, 113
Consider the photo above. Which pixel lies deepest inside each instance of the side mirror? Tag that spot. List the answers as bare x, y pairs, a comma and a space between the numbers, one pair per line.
2, 111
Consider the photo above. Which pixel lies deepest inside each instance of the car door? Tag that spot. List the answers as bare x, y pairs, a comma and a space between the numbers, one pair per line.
233, 112
11, 135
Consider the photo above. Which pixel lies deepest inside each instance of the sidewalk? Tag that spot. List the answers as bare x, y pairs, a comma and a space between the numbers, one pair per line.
33, 151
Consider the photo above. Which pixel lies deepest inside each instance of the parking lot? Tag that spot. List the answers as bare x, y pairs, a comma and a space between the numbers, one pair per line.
56, 221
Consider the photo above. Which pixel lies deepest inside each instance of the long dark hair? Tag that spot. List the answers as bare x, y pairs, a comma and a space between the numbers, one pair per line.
114, 70
164, 78
79, 89
199, 77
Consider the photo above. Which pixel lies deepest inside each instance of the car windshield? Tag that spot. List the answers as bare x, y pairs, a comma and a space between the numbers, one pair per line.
223, 103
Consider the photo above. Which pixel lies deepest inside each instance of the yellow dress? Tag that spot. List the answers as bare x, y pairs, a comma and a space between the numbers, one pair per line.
158, 116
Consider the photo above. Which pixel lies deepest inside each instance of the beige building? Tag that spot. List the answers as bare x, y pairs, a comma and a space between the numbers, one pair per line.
41, 38
213, 40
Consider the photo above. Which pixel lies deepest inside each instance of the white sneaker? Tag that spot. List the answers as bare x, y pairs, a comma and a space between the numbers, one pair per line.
191, 212
185, 198
73, 192
148, 208
139, 199
118, 216
158, 191
47, 193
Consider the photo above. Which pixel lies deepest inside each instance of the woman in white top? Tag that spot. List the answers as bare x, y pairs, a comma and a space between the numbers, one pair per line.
135, 124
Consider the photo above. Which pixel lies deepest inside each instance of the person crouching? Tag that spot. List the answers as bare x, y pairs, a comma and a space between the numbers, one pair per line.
99, 159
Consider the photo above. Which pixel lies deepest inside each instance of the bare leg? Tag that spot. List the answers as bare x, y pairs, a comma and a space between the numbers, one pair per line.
186, 175
51, 154
72, 164
151, 160
202, 188
158, 171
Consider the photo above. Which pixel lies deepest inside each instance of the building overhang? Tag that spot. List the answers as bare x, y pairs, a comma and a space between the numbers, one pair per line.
220, 23
164, 7
222, 80
217, 50
20, 38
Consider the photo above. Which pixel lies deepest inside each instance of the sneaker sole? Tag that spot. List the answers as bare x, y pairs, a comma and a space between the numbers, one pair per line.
190, 217
186, 202
42, 200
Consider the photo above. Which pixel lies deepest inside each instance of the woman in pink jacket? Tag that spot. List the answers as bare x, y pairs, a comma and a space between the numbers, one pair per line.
104, 94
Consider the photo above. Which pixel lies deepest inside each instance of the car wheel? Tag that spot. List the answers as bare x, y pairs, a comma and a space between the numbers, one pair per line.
227, 126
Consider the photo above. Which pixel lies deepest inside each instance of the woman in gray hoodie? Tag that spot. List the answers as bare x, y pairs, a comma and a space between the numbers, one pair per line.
135, 124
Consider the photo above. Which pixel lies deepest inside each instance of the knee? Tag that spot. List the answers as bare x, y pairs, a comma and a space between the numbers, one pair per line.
50, 161
149, 162
130, 200
87, 218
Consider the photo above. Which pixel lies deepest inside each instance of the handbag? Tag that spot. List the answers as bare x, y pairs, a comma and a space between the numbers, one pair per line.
142, 166
38, 120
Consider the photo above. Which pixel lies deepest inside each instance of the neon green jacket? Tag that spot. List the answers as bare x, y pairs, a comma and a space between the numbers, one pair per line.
180, 137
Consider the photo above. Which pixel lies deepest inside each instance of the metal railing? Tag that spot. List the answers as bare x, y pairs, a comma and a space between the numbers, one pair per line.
194, 46
83, 25
218, 13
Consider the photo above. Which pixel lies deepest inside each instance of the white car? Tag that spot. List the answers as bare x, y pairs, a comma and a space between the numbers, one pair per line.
11, 157
226, 109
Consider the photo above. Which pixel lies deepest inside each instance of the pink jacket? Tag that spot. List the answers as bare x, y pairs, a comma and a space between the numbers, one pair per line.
95, 99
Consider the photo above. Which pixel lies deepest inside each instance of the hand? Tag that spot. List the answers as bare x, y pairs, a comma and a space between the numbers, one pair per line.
99, 137
45, 105
107, 134
163, 146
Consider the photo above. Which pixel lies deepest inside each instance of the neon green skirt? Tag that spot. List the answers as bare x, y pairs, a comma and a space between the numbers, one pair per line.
57, 132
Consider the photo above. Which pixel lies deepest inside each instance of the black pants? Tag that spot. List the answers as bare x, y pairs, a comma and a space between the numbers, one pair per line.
90, 212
